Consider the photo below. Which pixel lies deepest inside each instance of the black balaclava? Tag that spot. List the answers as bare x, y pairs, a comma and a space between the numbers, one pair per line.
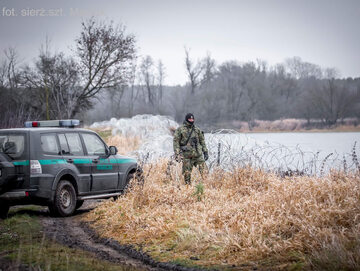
190, 116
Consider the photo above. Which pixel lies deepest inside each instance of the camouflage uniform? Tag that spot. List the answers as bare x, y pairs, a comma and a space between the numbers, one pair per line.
192, 152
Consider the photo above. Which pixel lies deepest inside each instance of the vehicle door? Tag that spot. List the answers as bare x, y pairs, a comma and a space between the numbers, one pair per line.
73, 153
105, 175
49, 158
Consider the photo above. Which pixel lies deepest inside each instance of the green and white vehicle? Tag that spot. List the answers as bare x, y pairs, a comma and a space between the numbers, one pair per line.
52, 163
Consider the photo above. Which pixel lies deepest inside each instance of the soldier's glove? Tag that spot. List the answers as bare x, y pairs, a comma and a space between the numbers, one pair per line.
206, 156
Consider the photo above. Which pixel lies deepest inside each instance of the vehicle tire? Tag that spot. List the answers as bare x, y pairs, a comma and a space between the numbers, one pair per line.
4, 210
65, 199
79, 203
129, 177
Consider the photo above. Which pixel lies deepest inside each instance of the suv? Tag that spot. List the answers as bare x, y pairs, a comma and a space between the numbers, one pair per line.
59, 167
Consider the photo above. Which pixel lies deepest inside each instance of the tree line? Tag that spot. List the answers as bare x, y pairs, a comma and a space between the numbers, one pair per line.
104, 77
235, 91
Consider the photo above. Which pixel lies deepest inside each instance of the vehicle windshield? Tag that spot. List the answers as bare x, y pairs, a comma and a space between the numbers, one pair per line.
12, 145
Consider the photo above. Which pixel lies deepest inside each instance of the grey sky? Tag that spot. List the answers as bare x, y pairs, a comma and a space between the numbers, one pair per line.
324, 32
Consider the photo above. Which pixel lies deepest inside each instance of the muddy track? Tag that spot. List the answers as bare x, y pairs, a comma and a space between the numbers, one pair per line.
74, 233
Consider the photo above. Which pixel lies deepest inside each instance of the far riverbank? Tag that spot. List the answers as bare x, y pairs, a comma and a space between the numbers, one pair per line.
286, 125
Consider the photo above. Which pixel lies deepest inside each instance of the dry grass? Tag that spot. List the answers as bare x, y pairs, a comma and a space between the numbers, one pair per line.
280, 125
123, 143
242, 217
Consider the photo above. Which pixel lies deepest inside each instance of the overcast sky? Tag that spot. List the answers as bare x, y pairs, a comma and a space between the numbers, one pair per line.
324, 32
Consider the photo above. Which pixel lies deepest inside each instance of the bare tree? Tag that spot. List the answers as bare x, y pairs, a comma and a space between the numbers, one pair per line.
209, 70
9, 73
116, 95
300, 69
66, 89
105, 53
160, 79
231, 84
331, 73
55, 78
331, 100
134, 92
148, 78
15, 105
193, 70
282, 83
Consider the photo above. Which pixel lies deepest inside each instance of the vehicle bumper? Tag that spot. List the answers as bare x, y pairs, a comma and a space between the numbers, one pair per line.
18, 195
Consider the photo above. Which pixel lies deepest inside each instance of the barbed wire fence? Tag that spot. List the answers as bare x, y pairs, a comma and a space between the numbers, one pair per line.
230, 149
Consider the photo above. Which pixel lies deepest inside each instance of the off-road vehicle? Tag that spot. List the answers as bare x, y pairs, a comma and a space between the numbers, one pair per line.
52, 163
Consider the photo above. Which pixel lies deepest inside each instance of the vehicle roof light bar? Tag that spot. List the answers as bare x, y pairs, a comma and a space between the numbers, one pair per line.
53, 123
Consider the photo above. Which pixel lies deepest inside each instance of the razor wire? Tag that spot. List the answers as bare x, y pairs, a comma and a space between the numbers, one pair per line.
230, 149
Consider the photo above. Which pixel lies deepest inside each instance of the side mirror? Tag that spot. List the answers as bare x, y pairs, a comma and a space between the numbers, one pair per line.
113, 150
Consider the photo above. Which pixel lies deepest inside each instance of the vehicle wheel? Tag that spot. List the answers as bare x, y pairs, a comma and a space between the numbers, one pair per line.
65, 199
129, 177
79, 203
4, 209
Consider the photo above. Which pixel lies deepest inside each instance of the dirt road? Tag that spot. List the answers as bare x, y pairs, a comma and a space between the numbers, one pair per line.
74, 233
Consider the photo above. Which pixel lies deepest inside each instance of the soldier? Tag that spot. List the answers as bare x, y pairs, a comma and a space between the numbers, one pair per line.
189, 144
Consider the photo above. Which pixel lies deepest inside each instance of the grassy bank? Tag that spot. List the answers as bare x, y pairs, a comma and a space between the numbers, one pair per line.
23, 246
245, 218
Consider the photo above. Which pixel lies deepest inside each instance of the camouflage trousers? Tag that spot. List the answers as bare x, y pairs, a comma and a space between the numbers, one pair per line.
189, 163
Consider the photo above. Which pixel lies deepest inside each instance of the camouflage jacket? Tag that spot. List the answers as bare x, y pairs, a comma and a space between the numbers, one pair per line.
196, 145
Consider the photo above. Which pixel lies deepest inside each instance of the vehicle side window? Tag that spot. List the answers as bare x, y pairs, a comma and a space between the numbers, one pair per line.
63, 144
12, 145
74, 143
93, 144
49, 144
